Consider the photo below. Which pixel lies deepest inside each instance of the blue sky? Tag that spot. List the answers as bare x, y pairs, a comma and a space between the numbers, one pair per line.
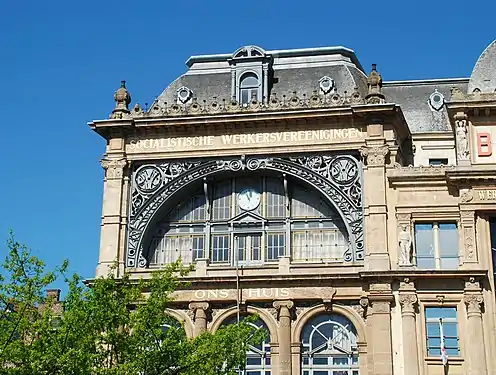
61, 61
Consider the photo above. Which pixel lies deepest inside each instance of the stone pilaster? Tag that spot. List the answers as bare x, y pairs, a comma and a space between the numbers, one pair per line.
476, 354
468, 249
374, 154
112, 214
200, 316
408, 301
284, 315
379, 329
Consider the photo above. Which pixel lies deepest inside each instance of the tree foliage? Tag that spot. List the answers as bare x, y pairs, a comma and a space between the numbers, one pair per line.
113, 326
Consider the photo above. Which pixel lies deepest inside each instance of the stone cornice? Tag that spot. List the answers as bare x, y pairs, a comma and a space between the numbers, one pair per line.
390, 110
462, 174
289, 280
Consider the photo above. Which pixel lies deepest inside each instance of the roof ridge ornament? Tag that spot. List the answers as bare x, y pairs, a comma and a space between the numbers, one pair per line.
122, 99
374, 83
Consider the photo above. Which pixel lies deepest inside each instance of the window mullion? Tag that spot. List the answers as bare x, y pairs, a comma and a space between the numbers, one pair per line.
437, 257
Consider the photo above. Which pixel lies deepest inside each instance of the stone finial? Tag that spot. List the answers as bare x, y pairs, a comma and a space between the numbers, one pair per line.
122, 99
374, 82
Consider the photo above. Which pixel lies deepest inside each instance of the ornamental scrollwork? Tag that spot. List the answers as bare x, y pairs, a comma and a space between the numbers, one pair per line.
339, 178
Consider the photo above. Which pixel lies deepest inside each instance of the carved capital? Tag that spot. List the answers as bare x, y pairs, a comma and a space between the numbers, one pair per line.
375, 155
199, 310
283, 308
473, 301
408, 302
114, 168
362, 306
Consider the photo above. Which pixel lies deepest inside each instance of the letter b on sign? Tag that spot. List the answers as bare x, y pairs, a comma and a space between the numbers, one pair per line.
484, 146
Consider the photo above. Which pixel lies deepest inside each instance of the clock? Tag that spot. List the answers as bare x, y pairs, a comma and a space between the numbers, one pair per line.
248, 199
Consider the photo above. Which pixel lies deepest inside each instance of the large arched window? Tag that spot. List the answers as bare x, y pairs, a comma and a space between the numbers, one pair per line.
250, 220
329, 346
248, 88
258, 361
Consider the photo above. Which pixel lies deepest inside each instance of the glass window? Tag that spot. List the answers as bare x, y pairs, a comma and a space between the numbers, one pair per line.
436, 245
258, 360
222, 201
249, 248
275, 245
329, 346
319, 245
438, 161
442, 325
220, 248
316, 231
248, 88
276, 201
170, 248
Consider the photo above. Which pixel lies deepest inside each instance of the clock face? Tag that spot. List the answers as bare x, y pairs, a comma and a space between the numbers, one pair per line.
248, 199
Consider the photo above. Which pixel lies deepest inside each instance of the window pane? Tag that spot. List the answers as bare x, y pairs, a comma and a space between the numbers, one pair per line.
249, 80
424, 245
448, 245
449, 327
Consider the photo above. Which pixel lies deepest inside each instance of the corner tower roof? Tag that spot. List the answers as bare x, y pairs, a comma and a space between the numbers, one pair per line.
483, 76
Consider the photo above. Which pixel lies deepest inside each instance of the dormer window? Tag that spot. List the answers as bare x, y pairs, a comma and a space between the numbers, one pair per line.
248, 88
250, 67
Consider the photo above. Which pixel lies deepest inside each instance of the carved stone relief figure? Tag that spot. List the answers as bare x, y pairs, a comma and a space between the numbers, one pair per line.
405, 244
462, 147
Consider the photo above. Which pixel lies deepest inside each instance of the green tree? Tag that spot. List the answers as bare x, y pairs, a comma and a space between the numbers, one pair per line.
109, 326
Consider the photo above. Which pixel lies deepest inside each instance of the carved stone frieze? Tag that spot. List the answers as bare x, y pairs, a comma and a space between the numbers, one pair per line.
337, 177
375, 156
114, 168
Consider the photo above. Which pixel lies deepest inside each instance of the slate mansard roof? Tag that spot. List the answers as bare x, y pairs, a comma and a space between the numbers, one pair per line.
300, 70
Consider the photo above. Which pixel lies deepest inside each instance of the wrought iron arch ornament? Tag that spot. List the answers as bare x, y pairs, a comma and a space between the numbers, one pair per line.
337, 177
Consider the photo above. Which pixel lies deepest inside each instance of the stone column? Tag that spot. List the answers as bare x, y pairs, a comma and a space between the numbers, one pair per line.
112, 214
284, 315
200, 316
408, 300
379, 329
374, 155
468, 252
476, 353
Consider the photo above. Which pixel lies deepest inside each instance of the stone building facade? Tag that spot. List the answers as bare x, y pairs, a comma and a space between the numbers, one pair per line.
352, 215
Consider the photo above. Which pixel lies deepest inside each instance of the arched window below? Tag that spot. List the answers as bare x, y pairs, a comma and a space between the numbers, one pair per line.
258, 360
329, 346
248, 88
